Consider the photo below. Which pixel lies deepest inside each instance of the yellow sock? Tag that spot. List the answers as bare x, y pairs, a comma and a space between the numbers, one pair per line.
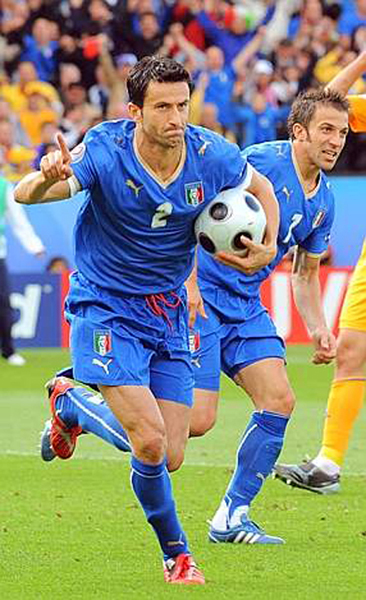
344, 403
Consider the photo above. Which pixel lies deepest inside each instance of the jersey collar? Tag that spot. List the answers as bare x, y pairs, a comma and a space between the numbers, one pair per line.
164, 183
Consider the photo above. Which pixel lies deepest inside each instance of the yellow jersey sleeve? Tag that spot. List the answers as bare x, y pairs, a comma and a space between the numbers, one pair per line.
357, 117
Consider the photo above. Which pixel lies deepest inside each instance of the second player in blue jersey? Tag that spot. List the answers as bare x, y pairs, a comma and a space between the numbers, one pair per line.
239, 337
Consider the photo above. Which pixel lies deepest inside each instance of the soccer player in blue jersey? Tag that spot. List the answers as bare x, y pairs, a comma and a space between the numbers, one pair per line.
146, 180
239, 337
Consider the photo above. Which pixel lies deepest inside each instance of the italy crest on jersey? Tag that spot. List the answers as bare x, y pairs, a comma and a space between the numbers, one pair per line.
102, 341
194, 193
319, 218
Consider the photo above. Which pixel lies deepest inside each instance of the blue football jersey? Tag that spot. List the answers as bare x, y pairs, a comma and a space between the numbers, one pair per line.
305, 219
134, 234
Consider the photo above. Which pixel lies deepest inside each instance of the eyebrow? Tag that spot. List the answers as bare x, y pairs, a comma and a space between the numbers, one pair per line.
165, 103
326, 124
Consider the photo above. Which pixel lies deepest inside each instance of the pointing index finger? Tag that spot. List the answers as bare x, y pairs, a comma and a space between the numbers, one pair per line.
65, 152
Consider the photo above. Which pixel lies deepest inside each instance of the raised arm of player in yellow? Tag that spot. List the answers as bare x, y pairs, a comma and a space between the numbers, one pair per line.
343, 82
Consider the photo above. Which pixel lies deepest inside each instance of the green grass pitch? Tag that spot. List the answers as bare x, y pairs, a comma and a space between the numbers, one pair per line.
73, 529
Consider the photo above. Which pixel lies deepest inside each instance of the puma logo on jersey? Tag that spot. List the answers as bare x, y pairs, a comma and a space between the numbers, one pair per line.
104, 366
287, 192
203, 148
136, 188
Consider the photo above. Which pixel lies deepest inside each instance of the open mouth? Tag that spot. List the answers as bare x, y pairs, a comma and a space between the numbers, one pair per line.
330, 154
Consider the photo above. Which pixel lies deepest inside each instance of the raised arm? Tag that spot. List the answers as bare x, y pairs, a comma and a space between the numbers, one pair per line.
50, 183
349, 75
250, 49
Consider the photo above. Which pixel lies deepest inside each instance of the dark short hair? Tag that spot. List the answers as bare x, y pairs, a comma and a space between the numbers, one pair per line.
304, 106
154, 68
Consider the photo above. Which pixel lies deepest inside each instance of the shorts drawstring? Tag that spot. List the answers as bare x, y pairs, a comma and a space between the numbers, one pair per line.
156, 303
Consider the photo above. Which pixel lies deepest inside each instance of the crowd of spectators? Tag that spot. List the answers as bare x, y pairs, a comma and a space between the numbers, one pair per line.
64, 64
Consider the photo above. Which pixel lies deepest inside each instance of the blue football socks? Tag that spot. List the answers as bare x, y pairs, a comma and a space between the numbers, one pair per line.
152, 486
259, 449
81, 407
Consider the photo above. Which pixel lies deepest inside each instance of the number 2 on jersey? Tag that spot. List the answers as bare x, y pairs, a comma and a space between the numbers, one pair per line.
160, 218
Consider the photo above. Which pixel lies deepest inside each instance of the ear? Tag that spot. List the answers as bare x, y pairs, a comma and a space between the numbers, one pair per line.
299, 132
135, 112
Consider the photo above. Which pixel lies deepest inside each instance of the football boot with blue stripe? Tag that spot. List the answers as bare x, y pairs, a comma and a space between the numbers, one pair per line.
247, 532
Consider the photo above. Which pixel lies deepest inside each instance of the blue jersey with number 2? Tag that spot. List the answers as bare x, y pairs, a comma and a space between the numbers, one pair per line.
134, 233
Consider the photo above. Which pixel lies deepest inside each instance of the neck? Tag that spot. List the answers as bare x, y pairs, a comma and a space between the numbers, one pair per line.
162, 160
309, 172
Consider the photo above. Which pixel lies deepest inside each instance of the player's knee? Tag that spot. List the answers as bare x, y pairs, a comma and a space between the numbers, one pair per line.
281, 401
349, 359
175, 461
152, 447
201, 423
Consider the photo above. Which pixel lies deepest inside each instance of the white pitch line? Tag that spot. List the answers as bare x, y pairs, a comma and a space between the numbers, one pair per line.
188, 462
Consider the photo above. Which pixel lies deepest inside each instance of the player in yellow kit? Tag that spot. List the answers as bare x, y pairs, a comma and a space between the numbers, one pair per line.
322, 474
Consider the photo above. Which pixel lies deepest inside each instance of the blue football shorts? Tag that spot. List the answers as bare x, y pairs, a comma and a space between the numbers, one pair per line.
237, 333
121, 340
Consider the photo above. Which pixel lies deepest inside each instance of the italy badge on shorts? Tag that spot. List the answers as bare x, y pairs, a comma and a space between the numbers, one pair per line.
102, 341
194, 193
194, 341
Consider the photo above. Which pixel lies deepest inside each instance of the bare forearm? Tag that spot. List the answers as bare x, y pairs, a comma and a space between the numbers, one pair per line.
35, 189
349, 75
262, 188
307, 297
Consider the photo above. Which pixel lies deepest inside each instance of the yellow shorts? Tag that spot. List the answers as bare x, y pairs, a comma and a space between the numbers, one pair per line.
353, 314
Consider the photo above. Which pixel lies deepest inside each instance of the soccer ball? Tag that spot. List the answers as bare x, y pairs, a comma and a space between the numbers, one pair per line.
233, 213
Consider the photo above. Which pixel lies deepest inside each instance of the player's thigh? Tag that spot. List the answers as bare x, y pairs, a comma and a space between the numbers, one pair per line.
351, 354
204, 412
176, 418
267, 384
205, 349
171, 382
206, 361
137, 410
353, 314
249, 341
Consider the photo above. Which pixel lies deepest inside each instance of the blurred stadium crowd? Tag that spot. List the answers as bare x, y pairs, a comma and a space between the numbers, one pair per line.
64, 63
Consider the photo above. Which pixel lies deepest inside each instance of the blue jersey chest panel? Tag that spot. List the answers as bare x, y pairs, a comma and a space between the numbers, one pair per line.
304, 221
133, 218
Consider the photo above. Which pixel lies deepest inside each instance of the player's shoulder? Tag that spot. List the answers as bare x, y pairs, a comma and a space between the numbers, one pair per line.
272, 159
271, 152
118, 130
209, 144
326, 185
102, 142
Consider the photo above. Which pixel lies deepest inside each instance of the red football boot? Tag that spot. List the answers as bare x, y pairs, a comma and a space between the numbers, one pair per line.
57, 439
182, 570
